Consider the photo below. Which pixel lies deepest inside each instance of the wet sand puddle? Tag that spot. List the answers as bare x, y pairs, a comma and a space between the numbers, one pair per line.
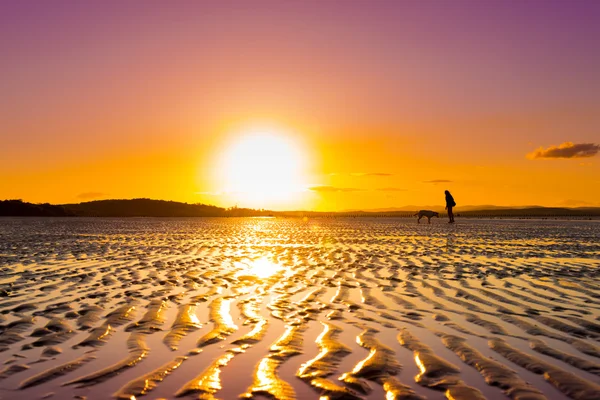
286, 309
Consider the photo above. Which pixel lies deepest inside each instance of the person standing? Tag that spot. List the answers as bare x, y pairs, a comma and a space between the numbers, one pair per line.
449, 205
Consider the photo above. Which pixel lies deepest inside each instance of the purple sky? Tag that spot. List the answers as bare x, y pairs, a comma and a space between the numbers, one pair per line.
78, 76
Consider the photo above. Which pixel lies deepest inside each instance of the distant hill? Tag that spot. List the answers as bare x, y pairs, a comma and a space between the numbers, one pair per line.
156, 208
440, 208
530, 212
18, 208
143, 208
123, 208
533, 212
163, 208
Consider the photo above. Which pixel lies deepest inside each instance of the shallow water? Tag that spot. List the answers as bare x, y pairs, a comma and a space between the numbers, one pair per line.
285, 308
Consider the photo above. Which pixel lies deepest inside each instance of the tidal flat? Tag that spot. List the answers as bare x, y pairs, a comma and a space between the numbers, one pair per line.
340, 308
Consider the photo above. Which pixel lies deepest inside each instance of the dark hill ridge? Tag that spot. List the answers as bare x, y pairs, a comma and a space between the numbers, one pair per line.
440, 208
143, 208
122, 208
156, 208
18, 208
534, 212
163, 208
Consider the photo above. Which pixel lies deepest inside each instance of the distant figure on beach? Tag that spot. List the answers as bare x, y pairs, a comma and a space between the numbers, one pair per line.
450, 203
426, 213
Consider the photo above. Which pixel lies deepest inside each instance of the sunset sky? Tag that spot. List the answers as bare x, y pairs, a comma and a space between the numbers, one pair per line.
322, 105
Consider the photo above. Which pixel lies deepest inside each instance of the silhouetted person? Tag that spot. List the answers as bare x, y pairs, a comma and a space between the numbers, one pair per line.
450, 203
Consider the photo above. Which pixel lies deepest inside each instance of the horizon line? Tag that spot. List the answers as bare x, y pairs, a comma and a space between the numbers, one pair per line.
398, 208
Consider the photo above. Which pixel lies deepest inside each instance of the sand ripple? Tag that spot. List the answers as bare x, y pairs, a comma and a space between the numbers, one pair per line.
286, 308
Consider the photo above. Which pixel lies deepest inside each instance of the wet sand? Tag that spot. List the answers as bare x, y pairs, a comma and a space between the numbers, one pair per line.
285, 308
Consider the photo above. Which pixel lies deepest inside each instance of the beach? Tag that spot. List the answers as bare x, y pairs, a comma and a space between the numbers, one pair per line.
331, 308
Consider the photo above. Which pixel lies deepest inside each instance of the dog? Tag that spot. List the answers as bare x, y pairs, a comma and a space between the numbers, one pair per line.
426, 213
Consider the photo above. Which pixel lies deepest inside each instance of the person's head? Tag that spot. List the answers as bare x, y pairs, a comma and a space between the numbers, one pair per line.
447, 192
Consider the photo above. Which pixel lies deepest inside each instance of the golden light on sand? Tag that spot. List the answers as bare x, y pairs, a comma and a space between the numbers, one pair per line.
263, 268
263, 168
260, 268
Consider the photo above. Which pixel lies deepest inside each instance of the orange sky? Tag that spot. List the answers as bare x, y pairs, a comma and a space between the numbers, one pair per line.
388, 106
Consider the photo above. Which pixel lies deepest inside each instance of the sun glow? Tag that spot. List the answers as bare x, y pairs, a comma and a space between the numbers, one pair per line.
261, 268
262, 169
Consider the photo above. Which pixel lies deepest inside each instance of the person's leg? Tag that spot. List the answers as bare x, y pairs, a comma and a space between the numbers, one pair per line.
450, 214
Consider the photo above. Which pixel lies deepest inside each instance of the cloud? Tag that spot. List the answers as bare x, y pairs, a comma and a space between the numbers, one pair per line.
434, 181
90, 195
566, 150
391, 189
331, 189
370, 174
360, 174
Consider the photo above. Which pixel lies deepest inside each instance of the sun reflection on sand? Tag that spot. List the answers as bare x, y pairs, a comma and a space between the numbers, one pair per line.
262, 289
260, 268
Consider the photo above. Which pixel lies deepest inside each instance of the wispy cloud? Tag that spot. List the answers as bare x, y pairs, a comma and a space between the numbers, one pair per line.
91, 195
566, 150
362, 174
434, 181
391, 189
331, 189
370, 174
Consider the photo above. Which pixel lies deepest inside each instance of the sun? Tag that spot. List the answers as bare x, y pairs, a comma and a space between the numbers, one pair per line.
262, 168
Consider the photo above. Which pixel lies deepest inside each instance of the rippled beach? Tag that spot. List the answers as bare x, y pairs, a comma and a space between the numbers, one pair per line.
290, 308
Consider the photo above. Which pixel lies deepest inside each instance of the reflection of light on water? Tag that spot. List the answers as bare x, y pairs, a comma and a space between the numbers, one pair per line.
262, 374
260, 268
225, 316
420, 364
193, 318
263, 268
358, 367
